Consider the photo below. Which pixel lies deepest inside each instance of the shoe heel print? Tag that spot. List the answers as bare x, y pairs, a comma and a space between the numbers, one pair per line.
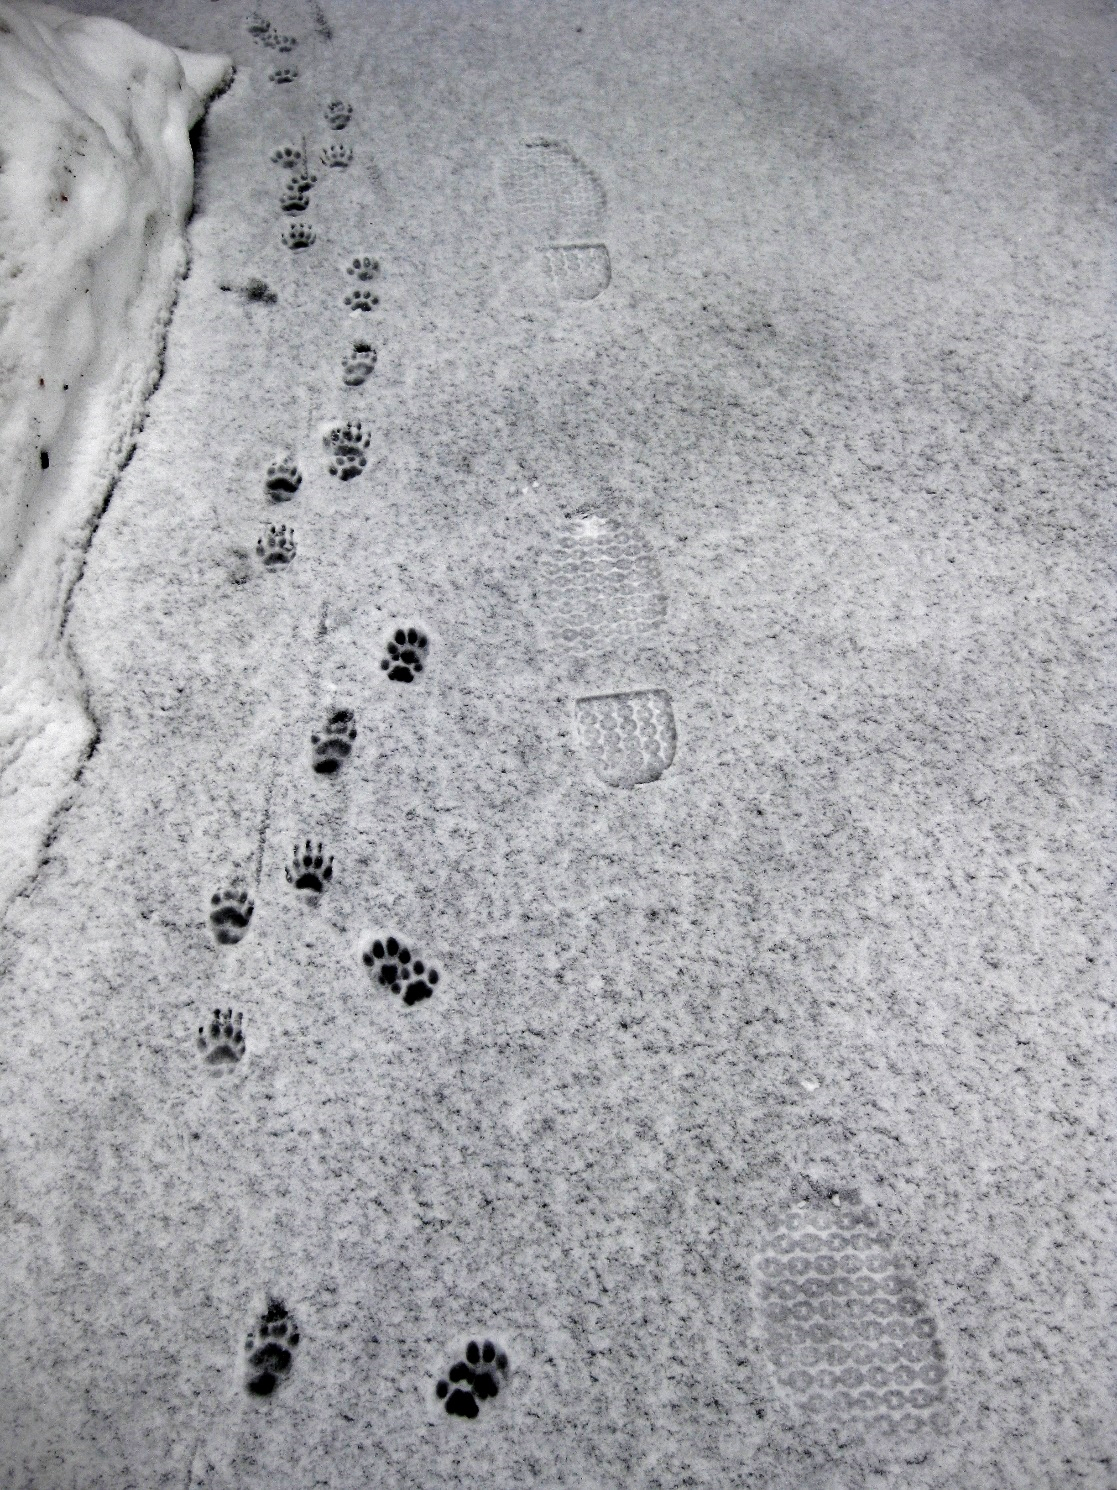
628, 739
844, 1333
556, 206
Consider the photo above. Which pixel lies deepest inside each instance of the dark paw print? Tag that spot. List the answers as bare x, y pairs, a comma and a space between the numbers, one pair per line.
289, 156
332, 748
259, 26
361, 300
221, 1040
270, 1349
285, 74
338, 155
259, 292
277, 546
338, 114
293, 198
391, 965
229, 915
282, 43
363, 267
476, 1379
358, 366
298, 235
346, 444
283, 478
406, 653
310, 870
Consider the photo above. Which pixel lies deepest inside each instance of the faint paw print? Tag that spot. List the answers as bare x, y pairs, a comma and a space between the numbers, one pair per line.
338, 114
283, 43
298, 235
364, 267
337, 155
285, 74
361, 299
277, 546
288, 156
331, 748
357, 367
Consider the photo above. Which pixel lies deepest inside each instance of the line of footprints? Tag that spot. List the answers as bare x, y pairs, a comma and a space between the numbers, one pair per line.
843, 1329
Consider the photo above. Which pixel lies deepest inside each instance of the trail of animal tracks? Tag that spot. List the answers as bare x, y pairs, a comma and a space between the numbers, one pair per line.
575, 956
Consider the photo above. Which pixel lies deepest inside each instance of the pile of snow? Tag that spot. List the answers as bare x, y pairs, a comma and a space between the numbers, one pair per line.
96, 184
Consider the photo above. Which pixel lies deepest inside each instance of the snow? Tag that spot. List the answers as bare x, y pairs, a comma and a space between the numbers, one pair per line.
96, 185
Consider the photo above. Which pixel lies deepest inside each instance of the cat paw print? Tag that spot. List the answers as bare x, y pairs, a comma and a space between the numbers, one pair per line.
230, 913
259, 27
298, 235
407, 652
295, 196
361, 299
332, 746
288, 156
357, 367
283, 478
277, 546
221, 1040
284, 74
270, 1349
282, 43
364, 267
338, 114
337, 155
391, 965
346, 445
475, 1379
309, 869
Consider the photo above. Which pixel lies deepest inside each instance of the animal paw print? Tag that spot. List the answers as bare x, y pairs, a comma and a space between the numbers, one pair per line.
357, 367
284, 74
259, 26
270, 1349
338, 114
282, 43
310, 870
259, 292
221, 1040
333, 747
347, 444
283, 478
295, 195
406, 651
391, 966
288, 156
361, 300
230, 914
337, 155
364, 267
298, 235
476, 1379
277, 546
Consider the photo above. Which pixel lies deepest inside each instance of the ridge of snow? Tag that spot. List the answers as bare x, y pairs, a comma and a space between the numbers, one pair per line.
96, 186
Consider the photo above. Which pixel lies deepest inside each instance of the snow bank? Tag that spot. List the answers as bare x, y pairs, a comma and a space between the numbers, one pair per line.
96, 183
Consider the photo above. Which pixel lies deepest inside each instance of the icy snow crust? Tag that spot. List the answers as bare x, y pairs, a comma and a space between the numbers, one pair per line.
96, 183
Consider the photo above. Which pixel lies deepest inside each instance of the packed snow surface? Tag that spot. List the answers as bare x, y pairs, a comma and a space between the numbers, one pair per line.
96, 183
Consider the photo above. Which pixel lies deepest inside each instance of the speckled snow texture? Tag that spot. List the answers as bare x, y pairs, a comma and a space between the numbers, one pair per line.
96, 181
848, 387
